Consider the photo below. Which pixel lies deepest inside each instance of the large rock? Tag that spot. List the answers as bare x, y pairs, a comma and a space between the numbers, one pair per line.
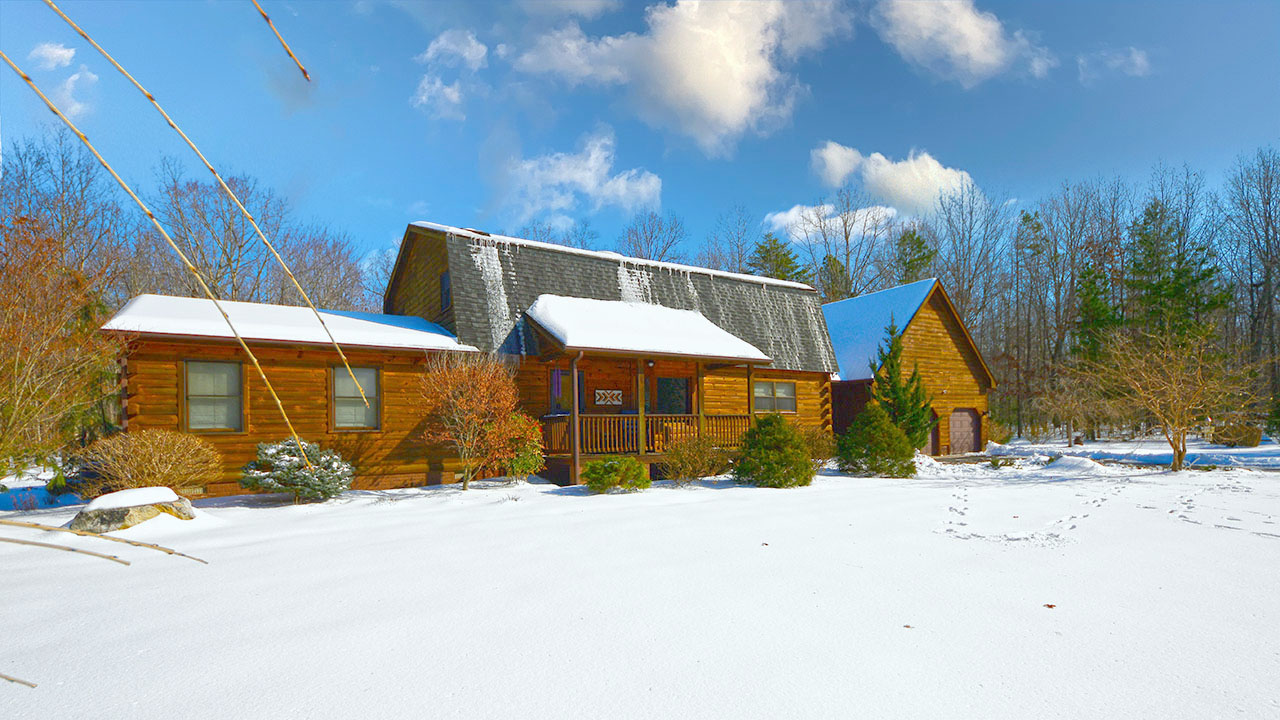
124, 509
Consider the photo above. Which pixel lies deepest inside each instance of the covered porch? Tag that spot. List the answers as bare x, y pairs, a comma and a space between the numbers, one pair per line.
630, 379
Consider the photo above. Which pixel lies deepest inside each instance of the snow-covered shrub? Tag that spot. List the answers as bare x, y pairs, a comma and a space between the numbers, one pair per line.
280, 468
873, 445
147, 458
524, 434
694, 457
773, 454
615, 471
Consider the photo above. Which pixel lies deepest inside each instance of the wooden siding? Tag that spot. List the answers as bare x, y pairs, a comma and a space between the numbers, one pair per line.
951, 369
726, 393
389, 457
416, 289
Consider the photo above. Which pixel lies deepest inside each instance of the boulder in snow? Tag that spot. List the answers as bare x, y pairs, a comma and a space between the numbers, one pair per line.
124, 509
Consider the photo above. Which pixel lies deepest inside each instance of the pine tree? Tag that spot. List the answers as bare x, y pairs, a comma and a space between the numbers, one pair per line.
906, 402
774, 258
913, 256
1097, 317
834, 280
1174, 284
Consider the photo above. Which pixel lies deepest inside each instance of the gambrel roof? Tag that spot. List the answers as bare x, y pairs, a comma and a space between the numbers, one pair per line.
495, 279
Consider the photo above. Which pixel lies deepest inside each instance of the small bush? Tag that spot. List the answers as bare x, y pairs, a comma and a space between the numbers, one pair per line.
820, 442
524, 434
998, 432
1238, 435
615, 471
773, 454
691, 458
873, 445
147, 458
280, 468
1001, 462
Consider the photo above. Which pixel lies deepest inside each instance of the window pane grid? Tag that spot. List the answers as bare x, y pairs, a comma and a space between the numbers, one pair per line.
775, 396
214, 396
349, 409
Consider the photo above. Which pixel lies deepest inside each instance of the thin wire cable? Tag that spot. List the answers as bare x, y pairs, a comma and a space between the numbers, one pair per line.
186, 262
226, 188
287, 49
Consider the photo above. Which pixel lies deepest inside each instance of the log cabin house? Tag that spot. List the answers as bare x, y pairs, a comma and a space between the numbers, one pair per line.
621, 355
614, 355
934, 339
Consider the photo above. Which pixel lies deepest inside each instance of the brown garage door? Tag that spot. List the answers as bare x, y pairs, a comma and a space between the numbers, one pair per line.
965, 430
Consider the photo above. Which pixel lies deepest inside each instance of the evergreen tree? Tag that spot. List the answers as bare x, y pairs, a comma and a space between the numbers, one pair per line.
774, 258
1097, 317
834, 281
873, 445
1174, 284
906, 402
912, 257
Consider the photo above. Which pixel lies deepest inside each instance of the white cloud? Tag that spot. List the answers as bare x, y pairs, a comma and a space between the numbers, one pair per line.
51, 56
1130, 61
955, 40
557, 182
439, 99
456, 45
781, 221
711, 71
583, 8
787, 222
911, 185
65, 94
834, 162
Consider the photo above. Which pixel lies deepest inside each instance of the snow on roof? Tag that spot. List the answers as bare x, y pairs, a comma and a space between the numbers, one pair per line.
198, 317
630, 327
857, 325
606, 254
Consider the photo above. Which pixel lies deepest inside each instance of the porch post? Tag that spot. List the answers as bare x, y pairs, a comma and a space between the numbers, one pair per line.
751, 396
702, 413
641, 435
575, 427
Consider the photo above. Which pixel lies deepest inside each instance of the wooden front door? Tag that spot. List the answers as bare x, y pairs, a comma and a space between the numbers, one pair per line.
965, 430
931, 446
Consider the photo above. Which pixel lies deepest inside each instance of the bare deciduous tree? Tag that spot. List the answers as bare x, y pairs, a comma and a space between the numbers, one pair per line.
653, 237
843, 239
731, 243
1182, 380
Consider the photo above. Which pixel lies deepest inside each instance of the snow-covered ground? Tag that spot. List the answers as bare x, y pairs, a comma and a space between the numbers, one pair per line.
1153, 451
1060, 590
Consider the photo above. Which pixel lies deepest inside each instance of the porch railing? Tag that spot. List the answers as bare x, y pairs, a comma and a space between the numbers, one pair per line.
605, 434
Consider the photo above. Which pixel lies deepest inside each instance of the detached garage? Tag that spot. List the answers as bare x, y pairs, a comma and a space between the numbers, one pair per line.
933, 339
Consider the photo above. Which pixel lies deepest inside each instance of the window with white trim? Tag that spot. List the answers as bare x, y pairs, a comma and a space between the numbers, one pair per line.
775, 396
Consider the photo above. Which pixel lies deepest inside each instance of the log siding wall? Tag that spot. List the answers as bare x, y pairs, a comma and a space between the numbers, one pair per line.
392, 456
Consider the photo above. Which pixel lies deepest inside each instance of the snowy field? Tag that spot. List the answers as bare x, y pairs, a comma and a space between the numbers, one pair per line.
1060, 590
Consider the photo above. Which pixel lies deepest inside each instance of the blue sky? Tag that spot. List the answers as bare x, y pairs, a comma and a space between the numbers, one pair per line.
490, 115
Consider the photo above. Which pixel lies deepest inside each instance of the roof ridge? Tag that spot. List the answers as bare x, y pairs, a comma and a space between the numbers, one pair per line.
610, 255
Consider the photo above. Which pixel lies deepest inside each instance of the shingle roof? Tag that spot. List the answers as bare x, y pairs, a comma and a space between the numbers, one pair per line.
857, 324
495, 279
